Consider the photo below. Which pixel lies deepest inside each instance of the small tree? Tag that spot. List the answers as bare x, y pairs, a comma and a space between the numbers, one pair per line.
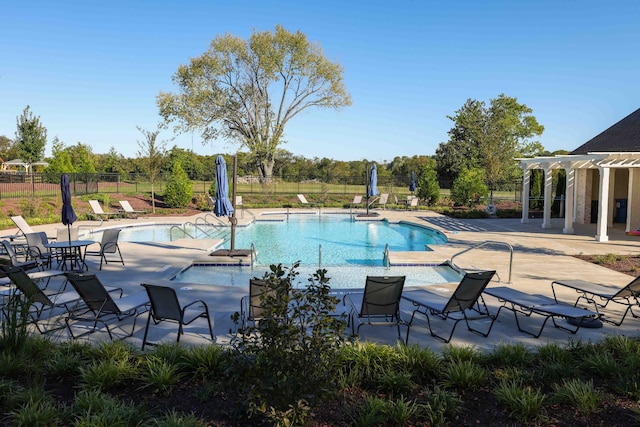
287, 361
59, 163
151, 155
179, 188
469, 187
31, 137
428, 187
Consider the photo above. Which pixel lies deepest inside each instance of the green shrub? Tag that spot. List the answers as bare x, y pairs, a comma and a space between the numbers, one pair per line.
108, 374
511, 355
524, 402
179, 189
469, 187
438, 406
14, 324
286, 362
428, 187
580, 394
464, 375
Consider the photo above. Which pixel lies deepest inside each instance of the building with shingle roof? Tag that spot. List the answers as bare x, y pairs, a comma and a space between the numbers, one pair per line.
602, 177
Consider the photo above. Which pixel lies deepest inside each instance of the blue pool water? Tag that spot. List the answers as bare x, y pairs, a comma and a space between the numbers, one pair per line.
341, 277
351, 250
331, 240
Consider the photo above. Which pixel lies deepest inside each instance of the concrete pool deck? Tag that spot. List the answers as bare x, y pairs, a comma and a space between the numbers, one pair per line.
539, 257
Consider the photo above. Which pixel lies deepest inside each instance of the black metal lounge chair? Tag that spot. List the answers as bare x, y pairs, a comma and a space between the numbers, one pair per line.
37, 249
166, 306
101, 306
465, 303
31, 264
108, 245
378, 305
252, 306
40, 301
527, 304
601, 295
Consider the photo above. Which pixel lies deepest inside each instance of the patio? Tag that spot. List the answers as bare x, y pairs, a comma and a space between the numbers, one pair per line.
540, 255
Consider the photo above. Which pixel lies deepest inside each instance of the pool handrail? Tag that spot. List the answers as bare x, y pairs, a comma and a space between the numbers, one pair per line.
486, 242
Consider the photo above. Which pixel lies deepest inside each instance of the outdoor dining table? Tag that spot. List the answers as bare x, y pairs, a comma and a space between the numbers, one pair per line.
71, 251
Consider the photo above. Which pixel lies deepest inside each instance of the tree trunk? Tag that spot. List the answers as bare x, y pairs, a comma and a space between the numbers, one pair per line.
266, 169
153, 199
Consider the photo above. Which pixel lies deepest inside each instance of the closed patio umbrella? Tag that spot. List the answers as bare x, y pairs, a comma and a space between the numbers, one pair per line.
223, 206
372, 184
68, 214
412, 183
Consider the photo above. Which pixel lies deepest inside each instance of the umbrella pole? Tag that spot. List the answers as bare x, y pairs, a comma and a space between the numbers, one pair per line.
366, 178
233, 219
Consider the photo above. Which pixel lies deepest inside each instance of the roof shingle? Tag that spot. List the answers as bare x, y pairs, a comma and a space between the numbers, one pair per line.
623, 136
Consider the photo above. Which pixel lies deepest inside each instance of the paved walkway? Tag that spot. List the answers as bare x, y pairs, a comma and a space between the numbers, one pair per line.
539, 257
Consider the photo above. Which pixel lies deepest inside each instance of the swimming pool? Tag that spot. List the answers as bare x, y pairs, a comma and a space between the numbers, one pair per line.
327, 240
341, 277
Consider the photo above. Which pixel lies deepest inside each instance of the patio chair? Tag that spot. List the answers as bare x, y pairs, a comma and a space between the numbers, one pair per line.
239, 205
412, 204
357, 201
128, 209
102, 307
252, 307
27, 265
465, 303
165, 305
304, 202
378, 305
383, 200
39, 300
527, 304
108, 245
37, 249
23, 227
63, 234
601, 295
100, 213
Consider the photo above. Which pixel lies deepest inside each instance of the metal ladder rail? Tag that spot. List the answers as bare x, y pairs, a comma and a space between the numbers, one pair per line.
179, 228
201, 222
215, 219
487, 242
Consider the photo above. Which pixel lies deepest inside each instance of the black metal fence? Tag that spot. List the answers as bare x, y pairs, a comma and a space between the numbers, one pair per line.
15, 185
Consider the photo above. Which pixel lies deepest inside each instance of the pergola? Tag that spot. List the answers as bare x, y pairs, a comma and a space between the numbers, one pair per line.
22, 163
580, 171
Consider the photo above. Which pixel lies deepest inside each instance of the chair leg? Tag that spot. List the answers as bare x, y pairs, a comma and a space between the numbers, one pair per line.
146, 331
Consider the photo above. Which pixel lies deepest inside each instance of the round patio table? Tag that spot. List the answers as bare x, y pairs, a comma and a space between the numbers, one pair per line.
72, 252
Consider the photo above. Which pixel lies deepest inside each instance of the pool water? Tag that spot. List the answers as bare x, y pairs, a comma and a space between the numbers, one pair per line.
341, 277
331, 240
327, 240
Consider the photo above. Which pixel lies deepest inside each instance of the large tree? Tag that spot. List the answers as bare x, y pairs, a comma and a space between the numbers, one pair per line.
490, 138
31, 137
246, 91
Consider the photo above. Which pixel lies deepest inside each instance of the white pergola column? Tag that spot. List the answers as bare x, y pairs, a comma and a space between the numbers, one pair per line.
526, 181
630, 199
548, 181
569, 202
603, 207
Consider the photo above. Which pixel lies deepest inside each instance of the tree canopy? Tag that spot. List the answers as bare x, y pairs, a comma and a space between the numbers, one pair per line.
489, 138
246, 91
31, 137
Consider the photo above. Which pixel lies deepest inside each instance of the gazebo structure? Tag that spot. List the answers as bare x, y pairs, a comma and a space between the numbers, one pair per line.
21, 163
602, 180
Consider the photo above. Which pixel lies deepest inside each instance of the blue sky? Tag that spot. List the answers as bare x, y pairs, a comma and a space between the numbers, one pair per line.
92, 70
